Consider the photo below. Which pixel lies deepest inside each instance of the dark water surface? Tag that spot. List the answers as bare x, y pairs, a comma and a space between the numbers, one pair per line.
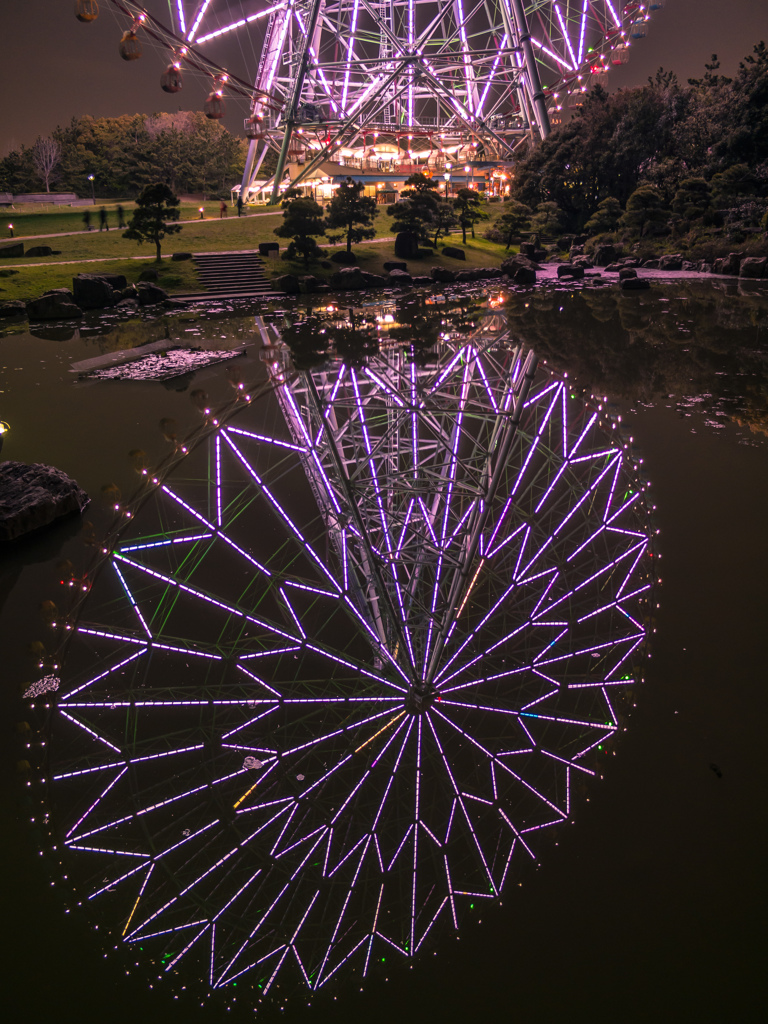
652, 906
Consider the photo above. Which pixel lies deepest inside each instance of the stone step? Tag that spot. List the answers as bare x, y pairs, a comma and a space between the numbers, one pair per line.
232, 272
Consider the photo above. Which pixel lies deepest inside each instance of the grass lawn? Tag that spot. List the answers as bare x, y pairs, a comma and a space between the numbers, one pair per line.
108, 251
48, 220
373, 255
29, 282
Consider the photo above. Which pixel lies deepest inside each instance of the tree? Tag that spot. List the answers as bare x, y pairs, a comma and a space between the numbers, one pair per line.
692, 199
548, 218
468, 205
352, 212
302, 222
443, 219
515, 219
417, 210
645, 210
605, 218
155, 207
46, 156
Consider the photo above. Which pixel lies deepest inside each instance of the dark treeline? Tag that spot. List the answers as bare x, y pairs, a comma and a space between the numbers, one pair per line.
185, 151
694, 149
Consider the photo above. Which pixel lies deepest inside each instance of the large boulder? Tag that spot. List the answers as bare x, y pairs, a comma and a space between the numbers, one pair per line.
582, 261
634, 284
288, 283
467, 276
150, 294
34, 495
650, 265
57, 304
568, 270
14, 308
265, 248
118, 281
513, 263
400, 278
443, 275
671, 262
730, 264
395, 265
754, 266
454, 252
406, 246
148, 274
374, 280
39, 250
489, 272
11, 251
92, 291
177, 257
342, 256
605, 255
524, 276
309, 283
626, 273
348, 279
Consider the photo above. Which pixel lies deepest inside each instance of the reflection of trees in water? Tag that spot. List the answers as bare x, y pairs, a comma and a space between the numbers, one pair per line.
682, 340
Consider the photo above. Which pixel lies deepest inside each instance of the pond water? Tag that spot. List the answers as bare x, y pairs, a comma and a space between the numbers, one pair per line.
652, 898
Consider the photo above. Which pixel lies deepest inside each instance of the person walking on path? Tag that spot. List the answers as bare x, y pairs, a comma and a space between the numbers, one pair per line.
103, 219
222, 209
120, 217
86, 220
239, 206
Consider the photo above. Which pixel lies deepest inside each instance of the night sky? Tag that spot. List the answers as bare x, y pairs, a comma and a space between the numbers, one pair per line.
53, 68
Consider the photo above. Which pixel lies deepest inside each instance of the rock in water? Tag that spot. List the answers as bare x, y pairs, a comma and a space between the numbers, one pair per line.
34, 495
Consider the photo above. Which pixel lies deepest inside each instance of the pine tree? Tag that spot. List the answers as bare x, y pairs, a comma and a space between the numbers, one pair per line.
351, 213
155, 207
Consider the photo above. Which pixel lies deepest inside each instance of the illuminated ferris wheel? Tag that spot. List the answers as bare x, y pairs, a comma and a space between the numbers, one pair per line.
348, 661
416, 78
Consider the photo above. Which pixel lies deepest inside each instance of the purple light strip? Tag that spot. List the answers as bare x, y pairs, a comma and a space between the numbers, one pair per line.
186, 949
414, 427
403, 841
166, 542
373, 931
569, 763
506, 866
283, 514
269, 440
90, 731
108, 671
344, 560
366, 840
145, 857
256, 679
166, 931
517, 835
371, 463
429, 926
430, 833
428, 521
294, 616
385, 387
256, 718
287, 822
456, 789
231, 609
356, 668
450, 890
341, 963
457, 356
319, 832
131, 598
219, 517
118, 880
310, 448
330, 401
313, 590
491, 396
223, 536
267, 654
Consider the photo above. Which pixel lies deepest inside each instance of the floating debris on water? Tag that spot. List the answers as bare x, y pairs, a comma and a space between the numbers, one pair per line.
163, 365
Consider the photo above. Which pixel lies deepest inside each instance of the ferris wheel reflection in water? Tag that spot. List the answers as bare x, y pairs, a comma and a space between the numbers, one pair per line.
348, 661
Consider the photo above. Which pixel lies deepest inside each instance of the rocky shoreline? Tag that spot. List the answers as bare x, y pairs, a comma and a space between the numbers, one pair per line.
33, 496
89, 292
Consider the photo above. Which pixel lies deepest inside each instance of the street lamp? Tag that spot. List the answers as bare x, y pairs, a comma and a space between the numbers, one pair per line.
10, 228
93, 194
201, 211
447, 178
